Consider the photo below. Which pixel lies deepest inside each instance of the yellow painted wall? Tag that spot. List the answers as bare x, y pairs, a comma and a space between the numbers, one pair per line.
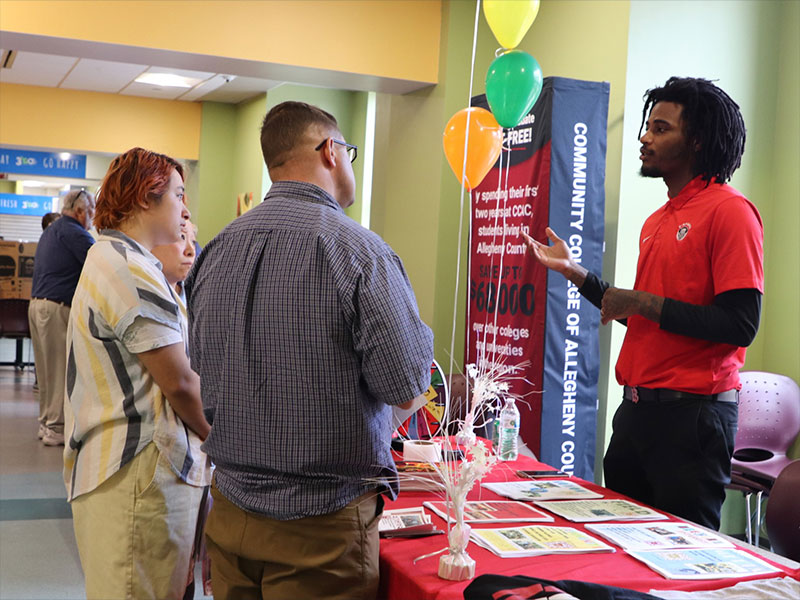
95, 122
375, 37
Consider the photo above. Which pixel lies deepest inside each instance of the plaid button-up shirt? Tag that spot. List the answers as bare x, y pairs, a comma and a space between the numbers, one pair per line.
304, 329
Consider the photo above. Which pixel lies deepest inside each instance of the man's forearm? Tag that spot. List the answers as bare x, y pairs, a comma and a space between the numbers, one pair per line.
621, 304
576, 273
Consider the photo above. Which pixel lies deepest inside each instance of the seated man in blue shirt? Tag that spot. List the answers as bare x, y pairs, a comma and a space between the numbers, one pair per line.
305, 331
56, 269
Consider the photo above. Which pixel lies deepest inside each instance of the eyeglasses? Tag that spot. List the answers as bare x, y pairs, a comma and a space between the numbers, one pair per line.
352, 151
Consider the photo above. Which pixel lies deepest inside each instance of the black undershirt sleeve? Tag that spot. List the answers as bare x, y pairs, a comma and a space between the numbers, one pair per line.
732, 318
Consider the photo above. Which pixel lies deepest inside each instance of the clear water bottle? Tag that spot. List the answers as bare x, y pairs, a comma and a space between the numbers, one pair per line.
508, 425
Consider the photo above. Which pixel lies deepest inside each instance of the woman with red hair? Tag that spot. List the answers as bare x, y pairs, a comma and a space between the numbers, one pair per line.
133, 467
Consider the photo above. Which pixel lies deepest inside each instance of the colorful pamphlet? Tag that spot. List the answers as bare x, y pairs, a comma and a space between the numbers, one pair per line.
540, 490
658, 536
406, 522
585, 511
493, 511
534, 540
704, 563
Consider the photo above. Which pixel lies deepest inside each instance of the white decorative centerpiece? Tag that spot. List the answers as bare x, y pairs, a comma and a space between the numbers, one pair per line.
457, 565
471, 461
459, 477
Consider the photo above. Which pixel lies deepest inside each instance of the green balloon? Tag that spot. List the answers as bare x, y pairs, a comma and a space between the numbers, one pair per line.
513, 85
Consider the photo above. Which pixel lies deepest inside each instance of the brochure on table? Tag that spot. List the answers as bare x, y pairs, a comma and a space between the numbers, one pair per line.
704, 563
585, 511
405, 522
534, 540
540, 490
493, 511
658, 536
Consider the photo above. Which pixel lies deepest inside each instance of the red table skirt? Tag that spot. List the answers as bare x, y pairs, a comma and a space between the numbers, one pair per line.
403, 580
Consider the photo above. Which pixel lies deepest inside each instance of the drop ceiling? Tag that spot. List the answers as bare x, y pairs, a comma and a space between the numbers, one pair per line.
113, 77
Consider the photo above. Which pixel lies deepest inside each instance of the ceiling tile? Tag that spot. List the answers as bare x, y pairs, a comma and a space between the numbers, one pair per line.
241, 89
32, 68
152, 91
101, 75
201, 75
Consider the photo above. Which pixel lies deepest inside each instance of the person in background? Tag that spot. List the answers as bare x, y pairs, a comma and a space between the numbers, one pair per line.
48, 219
133, 468
197, 247
177, 259
695, 306
57, 266
305, 331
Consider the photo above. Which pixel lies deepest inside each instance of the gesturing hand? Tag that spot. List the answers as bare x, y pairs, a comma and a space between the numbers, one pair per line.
554, 257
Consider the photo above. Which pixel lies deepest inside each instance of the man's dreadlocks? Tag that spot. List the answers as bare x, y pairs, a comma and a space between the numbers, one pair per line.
712, 119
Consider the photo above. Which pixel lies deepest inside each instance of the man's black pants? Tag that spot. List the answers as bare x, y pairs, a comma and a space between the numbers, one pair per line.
674, 455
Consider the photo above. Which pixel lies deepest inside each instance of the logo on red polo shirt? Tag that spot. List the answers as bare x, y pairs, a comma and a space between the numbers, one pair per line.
683, 230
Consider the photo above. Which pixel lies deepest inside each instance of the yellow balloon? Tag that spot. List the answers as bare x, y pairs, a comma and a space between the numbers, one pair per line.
510, 20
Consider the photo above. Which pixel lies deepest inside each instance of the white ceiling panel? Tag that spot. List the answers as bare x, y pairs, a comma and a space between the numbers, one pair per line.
241, 89
32, 68
101, 75
201, 75
149, 90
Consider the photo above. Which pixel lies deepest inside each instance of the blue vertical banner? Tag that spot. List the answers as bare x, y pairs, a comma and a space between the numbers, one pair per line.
576, 214
551, 172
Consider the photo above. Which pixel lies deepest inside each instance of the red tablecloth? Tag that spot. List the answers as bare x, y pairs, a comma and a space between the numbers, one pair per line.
403, 580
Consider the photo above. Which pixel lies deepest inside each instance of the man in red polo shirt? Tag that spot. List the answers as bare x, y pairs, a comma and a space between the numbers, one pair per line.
694, 308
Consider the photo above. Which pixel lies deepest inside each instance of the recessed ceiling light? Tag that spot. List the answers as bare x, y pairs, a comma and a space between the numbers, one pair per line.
32, 184
167, 80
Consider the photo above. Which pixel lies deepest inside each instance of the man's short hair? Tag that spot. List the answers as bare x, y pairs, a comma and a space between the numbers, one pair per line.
285, 125
75, 199
133, 177
48, 219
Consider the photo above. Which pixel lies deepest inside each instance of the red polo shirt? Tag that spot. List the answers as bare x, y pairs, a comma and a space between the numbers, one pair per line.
702, 242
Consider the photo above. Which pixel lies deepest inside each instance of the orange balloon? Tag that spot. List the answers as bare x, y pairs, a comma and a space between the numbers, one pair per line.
483, 147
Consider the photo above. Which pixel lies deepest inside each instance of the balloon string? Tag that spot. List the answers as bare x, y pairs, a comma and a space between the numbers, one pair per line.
461, 209
500, 187
474, 48
491, 266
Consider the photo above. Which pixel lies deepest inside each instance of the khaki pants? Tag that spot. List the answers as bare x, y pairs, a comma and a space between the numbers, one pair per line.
332, 556
135, 532
48, 324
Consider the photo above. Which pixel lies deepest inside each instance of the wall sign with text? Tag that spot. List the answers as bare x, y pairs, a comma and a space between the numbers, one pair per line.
30, 162
22, 204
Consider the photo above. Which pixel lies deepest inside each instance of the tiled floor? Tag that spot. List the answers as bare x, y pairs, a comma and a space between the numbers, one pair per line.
38, 555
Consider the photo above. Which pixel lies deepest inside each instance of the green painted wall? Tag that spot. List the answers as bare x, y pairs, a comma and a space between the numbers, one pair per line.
230, 151
214, 204
248, 164
8, 187
780, 329
752, 52
349, 108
